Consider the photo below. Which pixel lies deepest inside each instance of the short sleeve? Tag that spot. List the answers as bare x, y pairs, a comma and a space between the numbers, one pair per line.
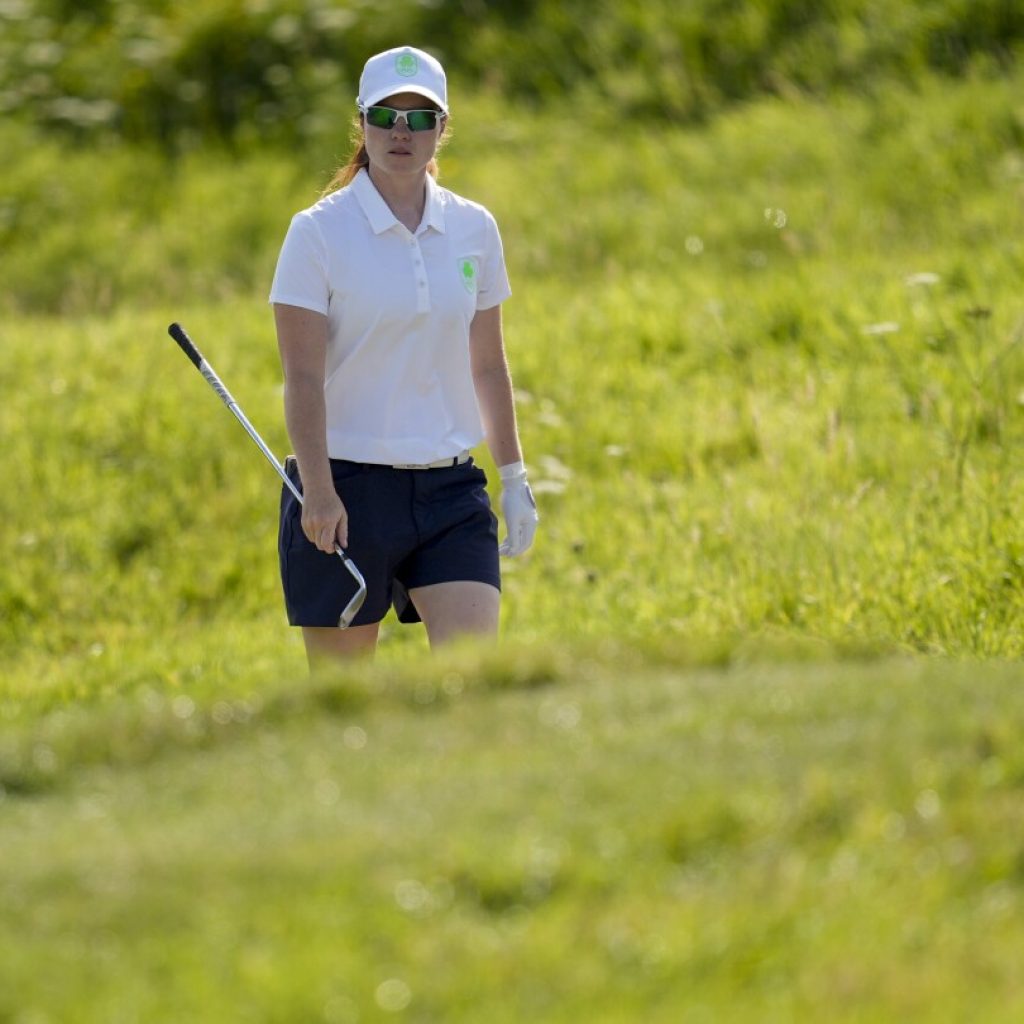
301, 275
494, 287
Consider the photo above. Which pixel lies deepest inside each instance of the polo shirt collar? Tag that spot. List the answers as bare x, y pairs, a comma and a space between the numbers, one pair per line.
379, 214
433, 212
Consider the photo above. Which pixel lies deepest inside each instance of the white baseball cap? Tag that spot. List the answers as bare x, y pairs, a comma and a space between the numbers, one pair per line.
403, 69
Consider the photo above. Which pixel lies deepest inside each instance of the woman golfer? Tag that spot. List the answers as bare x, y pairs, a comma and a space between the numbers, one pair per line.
387, 304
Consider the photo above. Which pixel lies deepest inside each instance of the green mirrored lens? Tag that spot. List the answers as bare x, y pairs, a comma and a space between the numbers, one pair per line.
381, 117
421, 120
385, 117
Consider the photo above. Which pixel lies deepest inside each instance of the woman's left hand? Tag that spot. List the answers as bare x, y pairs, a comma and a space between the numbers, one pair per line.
520, 512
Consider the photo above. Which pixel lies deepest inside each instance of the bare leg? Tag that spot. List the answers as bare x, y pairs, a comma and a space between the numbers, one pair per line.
326, 644
460, 608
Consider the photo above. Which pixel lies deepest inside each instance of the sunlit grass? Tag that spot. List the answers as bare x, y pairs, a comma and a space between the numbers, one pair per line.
769, 379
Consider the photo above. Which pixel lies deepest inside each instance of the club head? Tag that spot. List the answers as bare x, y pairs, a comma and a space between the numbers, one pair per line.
351, 610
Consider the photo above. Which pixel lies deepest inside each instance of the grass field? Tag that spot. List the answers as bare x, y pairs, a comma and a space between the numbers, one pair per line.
538, 837
747, 751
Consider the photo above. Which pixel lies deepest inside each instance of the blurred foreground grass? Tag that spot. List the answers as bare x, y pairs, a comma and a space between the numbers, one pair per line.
548, 835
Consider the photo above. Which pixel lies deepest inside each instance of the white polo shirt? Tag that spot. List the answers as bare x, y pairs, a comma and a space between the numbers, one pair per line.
398, 387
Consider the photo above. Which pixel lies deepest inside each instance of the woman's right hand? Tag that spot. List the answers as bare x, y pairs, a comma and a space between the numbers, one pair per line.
324, 520
302, 339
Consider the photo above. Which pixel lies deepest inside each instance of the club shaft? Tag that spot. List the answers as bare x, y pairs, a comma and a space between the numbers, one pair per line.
225, 396
218, 385
185, 343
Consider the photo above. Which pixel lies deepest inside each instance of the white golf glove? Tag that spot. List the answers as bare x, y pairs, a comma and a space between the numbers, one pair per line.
518, 508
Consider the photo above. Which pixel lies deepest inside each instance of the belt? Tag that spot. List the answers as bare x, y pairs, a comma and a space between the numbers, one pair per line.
454, 460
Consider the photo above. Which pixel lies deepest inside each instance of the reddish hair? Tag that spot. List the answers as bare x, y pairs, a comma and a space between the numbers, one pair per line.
359, 158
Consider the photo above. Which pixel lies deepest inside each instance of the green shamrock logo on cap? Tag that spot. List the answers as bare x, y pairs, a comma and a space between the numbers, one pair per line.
407, 65
467, 274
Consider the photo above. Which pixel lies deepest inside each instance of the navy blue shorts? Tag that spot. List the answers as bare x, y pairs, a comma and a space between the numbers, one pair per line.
407, 528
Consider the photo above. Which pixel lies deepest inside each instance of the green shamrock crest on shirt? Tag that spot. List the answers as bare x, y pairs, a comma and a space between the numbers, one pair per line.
407, 65
467, 273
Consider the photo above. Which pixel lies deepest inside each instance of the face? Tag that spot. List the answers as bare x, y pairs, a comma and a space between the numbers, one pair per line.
398, 150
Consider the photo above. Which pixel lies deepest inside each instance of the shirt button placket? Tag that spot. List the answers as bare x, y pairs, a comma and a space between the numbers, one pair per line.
420, 274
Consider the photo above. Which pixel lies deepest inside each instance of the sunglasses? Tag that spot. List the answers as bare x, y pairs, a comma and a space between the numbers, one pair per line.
387, 117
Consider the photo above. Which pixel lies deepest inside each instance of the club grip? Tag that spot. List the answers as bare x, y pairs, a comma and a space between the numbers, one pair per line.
177, 332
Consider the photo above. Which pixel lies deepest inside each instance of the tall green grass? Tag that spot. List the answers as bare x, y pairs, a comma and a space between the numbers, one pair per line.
769, 376
922, 176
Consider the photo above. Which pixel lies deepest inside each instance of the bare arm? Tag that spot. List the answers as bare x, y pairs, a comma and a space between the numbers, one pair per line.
493, 385
302, 340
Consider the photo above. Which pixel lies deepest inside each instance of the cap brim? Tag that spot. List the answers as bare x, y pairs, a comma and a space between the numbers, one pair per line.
419, 90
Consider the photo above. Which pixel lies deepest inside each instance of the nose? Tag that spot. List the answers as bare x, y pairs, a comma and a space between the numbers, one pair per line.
401, 126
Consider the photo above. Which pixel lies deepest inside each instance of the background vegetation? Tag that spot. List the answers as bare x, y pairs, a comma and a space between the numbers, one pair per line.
283, 69
747, 749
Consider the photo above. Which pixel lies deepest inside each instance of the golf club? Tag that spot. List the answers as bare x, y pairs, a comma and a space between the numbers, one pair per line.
177, 332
